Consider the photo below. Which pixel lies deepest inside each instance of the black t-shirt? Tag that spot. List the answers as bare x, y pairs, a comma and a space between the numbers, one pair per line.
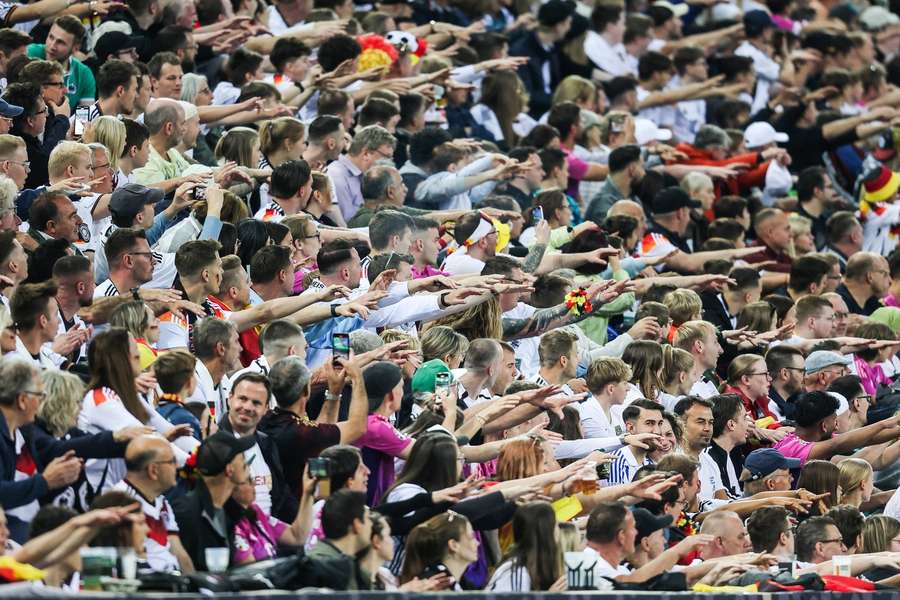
871, 305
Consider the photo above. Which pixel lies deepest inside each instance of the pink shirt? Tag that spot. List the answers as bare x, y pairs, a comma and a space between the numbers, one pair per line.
794, 447
428, 271
258, 540
380, 444
577, 170
870, 375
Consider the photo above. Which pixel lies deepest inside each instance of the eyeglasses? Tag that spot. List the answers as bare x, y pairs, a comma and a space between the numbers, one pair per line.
25, 163
40, 395
866, 398
98, 167
840, 316
793, 368
58, 84
832, 541
766, 373
46, 111
384, 155
317, 235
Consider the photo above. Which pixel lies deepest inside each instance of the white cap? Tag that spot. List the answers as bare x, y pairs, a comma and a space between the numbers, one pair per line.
678, 9
876, 18
724, 11
190, 110
646, 131
843, 405
761, 133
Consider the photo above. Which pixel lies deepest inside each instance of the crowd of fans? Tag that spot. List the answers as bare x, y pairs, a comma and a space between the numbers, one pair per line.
452, 294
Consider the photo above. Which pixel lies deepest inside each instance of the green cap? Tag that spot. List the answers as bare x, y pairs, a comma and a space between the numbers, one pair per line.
423, 380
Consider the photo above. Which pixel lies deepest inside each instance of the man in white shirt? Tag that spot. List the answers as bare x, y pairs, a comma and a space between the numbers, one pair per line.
476, 237
216, 346
611, 533
152, 472
558, 352
641, 416
700, 339
604, 47
697, 418
607, 379
279, 339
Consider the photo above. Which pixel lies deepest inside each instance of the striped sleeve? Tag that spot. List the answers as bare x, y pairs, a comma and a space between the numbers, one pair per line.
619, 470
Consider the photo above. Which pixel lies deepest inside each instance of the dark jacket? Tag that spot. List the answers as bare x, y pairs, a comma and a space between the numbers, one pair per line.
43, 449
194, 514
38, 158
532, 72
284, 501
718, 454
714, 311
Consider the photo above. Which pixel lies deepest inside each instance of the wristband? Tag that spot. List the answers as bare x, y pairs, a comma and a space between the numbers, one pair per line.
136, 293
334, 310
441, 302
329, 397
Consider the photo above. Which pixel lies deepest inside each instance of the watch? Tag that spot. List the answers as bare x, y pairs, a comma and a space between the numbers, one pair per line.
334, 312
136, 293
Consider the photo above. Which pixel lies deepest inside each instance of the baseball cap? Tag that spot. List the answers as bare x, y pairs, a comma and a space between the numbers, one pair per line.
821, 359
218, 450
679, 10
761, 133
756, 21
671, 199
10, 110
646, 522
113, 42
130, 199
554, 12
876, 18
764, 461
646, 131
380, 378
423, 380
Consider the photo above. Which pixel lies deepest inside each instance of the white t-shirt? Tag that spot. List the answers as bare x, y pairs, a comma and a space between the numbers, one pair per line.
460, 263
710, 482
526, 348
261, 476
160, 525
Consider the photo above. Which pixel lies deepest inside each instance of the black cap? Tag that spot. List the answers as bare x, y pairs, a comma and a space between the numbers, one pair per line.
580, 24
130, 199
646, 522
756, 21
671, 199
113, 42
380, 378
218, 450
554, 12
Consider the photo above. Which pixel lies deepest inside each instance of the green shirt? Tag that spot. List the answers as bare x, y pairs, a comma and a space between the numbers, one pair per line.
79, 80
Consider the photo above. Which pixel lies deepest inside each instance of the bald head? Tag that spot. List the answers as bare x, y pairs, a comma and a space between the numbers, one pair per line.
729, 534
144, 450
164, 116
626, 207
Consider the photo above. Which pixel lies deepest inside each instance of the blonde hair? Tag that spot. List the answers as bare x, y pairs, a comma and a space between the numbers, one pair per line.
9, 191
675, 362
9, 144
62, 401
854, 472
480, 321
64, 155
684, 305
273, 134
569, 538
440, 341
694, 181
690, 332
237, 145
395, 335
799, 225
606, 370
575, 88
110, 132
877, 533
741, 365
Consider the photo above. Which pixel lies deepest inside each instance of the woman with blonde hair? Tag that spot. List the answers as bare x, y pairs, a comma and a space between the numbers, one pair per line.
577, 89
444, 343
110, 132
676, 382
9, 191
857, 481
880, 534
819, 477
281, 140
802, 241
757, 316
320, 203
142, 323
748, 378
233, 211
58, 412
306, 245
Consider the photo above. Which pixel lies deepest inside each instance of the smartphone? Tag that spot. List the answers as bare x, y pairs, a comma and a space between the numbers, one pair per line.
320, 468
199, 193
442, 383
340, 345
434, 570
603, 471
616, 126
81, 117
537, 214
